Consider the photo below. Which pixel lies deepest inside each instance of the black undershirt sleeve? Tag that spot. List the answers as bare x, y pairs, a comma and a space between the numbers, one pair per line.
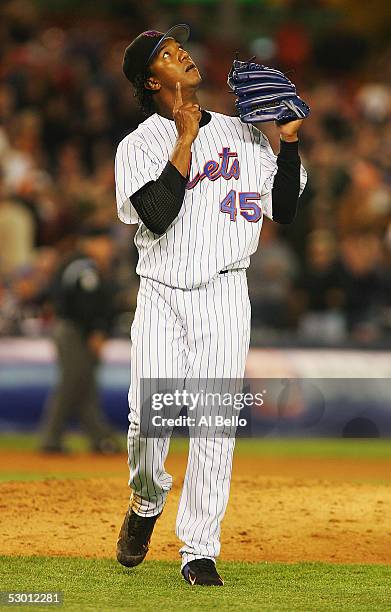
158, 203
286, 186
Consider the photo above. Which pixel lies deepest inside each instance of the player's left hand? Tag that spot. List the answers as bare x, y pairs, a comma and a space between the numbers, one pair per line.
288, 131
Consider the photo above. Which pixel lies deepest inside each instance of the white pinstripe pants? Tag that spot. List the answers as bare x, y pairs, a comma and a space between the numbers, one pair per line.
187, 334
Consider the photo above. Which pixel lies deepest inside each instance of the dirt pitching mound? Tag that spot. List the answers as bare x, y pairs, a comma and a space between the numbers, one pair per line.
279, 510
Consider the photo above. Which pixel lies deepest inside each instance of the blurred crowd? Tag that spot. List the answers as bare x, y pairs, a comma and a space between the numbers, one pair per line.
65, 105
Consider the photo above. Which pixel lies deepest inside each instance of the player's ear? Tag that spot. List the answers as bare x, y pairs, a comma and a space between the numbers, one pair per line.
152, 84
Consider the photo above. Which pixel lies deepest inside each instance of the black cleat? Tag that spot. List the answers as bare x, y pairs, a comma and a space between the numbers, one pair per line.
202, 572
134, 537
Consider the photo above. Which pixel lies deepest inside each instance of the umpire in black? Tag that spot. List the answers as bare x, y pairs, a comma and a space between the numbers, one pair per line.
83, 296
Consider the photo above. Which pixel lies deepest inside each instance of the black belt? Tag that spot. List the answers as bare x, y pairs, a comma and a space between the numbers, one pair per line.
233, 270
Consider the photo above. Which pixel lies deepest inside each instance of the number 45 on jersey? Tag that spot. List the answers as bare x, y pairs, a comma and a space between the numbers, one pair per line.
247, 205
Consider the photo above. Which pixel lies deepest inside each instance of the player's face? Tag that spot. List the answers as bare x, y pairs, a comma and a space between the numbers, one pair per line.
172, 64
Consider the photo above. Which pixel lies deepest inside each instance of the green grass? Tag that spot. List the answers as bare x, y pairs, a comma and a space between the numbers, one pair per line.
30, 442
267, 447
364, 450
105, 585
316, 447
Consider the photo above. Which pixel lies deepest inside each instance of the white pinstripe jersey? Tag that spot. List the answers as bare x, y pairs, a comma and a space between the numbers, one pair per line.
228, 192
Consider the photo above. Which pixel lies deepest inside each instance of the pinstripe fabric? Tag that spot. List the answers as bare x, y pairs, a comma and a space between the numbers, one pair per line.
191, 322
196, 334
202, 240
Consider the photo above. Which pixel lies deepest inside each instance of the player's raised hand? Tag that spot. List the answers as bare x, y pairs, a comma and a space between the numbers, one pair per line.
178, 97
187, 116
288, 131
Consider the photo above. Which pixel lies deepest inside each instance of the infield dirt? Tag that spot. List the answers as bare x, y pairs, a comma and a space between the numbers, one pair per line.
280, 509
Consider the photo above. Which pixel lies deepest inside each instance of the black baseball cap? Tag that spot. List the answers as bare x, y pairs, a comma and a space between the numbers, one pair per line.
144, 47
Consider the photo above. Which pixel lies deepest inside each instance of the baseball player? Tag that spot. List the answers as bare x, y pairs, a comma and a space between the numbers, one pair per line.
198, 184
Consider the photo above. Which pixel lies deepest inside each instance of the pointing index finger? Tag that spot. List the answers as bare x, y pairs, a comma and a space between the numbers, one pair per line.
178, 95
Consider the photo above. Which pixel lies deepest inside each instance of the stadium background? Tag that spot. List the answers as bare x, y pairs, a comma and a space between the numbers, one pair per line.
320, 289
65, 105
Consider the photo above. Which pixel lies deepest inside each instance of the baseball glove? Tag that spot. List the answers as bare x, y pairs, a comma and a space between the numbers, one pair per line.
264, 94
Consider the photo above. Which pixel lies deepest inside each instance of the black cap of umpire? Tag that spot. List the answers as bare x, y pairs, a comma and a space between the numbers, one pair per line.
142, 50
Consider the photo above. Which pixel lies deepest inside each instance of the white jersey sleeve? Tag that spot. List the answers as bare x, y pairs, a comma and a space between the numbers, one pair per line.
269, 167
135, 166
